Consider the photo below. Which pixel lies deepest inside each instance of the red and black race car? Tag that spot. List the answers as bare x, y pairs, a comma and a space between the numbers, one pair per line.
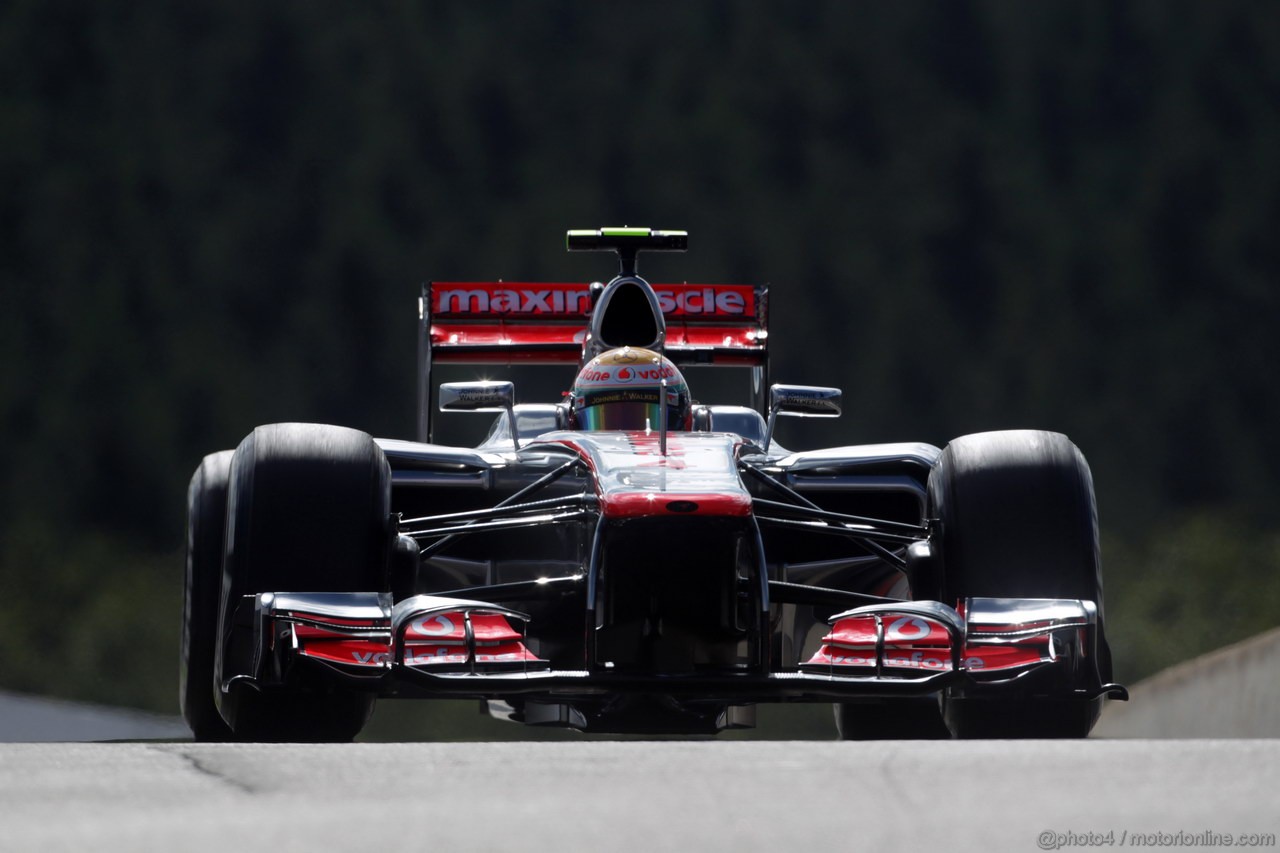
629, 560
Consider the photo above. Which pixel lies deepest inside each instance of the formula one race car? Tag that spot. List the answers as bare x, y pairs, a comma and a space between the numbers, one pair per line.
627, 560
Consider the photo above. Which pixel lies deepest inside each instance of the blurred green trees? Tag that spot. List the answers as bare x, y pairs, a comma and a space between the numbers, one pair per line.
974, 215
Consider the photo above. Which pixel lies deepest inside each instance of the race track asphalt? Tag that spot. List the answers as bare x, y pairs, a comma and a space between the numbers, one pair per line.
635, 796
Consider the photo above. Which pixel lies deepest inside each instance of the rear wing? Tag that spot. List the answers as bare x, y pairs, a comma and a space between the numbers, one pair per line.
546, 323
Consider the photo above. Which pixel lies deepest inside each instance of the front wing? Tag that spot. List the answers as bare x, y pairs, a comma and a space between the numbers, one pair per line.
450, 647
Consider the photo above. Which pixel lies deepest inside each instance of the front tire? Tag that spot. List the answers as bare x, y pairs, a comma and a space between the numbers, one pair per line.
202, 585
309, 511
1019, 520
900, 719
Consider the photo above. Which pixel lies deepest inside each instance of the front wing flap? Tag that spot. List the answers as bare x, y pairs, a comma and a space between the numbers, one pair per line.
991, 640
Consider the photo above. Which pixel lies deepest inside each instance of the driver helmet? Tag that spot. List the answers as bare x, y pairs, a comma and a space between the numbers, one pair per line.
622, 390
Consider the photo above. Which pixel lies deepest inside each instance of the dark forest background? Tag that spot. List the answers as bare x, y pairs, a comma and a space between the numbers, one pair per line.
972, 215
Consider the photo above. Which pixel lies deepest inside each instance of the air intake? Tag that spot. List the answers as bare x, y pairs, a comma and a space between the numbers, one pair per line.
626, 315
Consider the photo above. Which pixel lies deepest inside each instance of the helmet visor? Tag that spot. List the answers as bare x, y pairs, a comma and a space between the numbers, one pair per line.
629, 416
630, 409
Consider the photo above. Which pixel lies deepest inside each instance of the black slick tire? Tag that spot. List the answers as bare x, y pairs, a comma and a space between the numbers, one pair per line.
1019, 520
900, 719
202, 584
309, 511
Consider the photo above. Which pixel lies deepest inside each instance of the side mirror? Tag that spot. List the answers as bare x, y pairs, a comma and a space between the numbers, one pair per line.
800, 401
481, 396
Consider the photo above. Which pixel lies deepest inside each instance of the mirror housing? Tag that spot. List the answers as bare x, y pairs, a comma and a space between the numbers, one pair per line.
801, 401
481, 396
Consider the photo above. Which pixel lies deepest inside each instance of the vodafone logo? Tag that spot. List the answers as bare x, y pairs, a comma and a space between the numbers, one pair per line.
371, 658
906, 629
652, 374
433, 626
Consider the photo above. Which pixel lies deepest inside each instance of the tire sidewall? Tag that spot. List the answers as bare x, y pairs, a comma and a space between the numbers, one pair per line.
206, 527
